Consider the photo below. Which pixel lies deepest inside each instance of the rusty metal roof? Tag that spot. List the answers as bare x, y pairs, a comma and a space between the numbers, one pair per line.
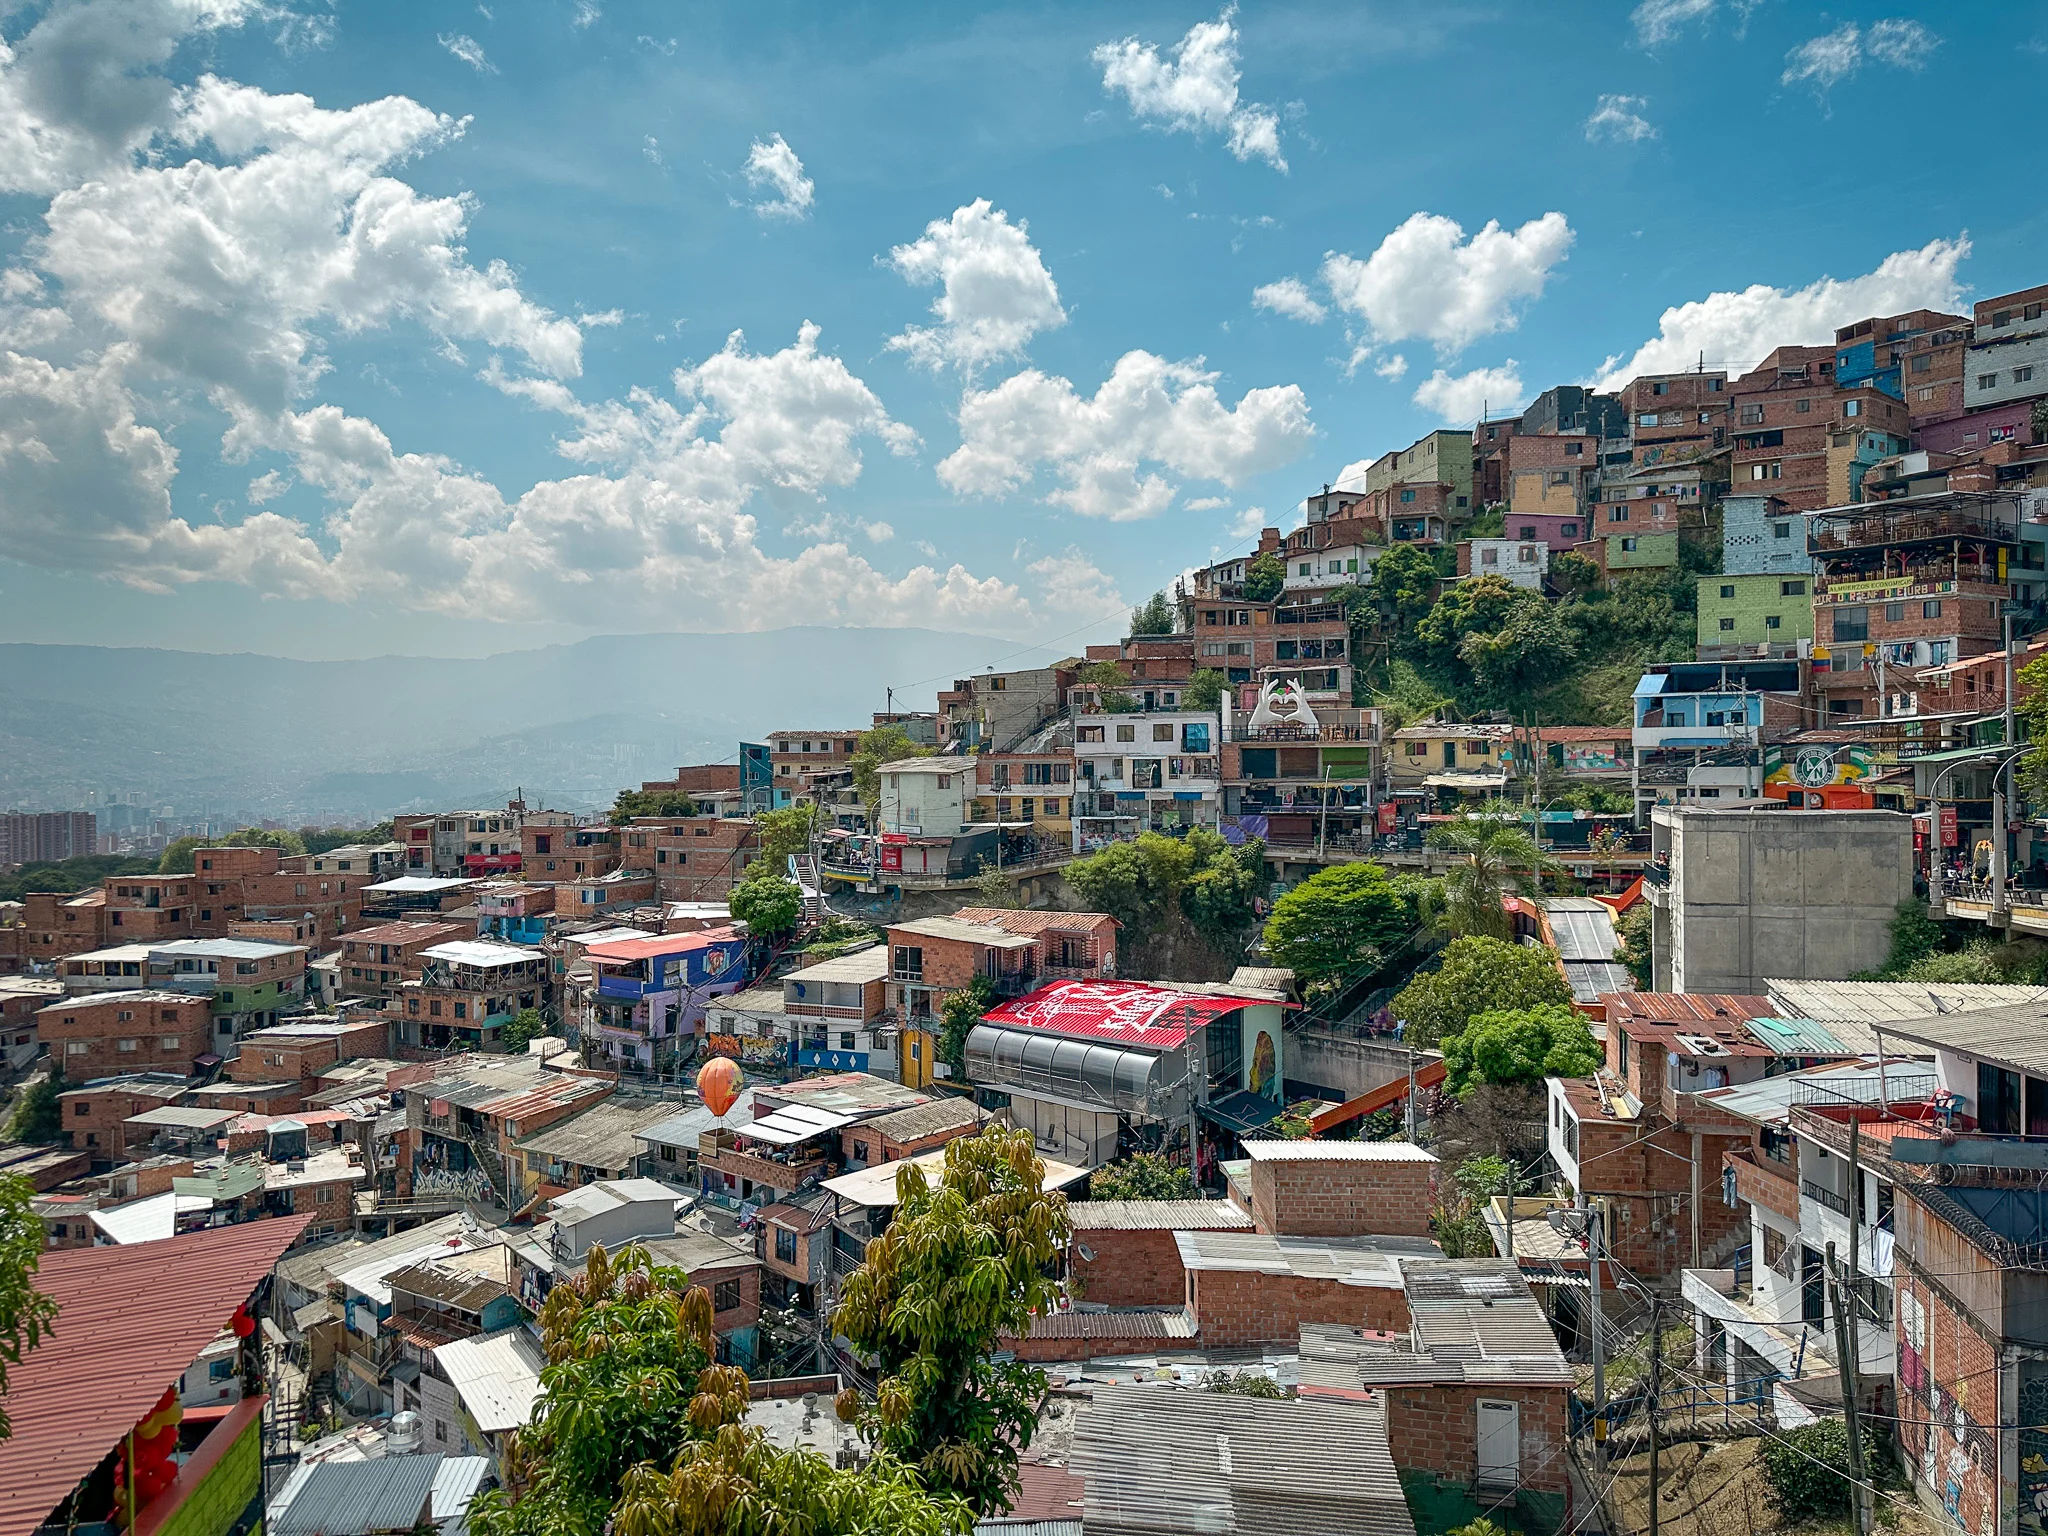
129, 1322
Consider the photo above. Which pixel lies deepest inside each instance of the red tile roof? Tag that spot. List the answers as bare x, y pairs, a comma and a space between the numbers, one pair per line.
1715, 1008
1029, 924
130, 1320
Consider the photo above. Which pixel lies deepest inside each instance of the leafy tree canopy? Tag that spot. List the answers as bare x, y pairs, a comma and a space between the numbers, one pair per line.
966, 1260
67, 875
1265, 578
1154, 616
26, 1315
883, 744
327, 839
1143, 1176
1203, 690
1155, 881
650, 802
37, 1114
784, 832
1478, 975
768, 904
1633, 928
958, 1015
1403, 589
1519, 1046
638, 1433
1339, 923
527, 1025
1113, 687
1500, 857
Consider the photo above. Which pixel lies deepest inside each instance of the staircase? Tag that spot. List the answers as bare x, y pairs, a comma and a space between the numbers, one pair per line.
493, 1165
804, 868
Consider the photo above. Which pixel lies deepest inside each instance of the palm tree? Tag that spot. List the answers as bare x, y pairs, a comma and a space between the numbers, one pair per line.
1500, 858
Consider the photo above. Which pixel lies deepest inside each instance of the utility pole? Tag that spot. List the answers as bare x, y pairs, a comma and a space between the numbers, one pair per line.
2000, 911
1845, 1367
1593, 1249
1855, 1358
1656, 1389
1411, 1096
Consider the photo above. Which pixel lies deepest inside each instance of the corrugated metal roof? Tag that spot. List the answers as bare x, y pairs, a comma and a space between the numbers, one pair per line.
1797, 1037
1166, 1459
1863, 1003
2012, 1037
94, 1378
926, 1119
1347, 1260
1157, 1216
603, 1136
1129, 1323
682, 1130
357, 1498
457, 1481
1770, 1100
863, 965
497, 1376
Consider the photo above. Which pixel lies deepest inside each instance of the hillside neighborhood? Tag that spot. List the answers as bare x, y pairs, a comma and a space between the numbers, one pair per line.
1530, 980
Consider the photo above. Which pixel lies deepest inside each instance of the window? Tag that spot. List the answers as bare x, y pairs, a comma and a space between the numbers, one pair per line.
130, 1044
1792, 588
1852, 408
1894, 613
1617, 514
906, 963
1304, 570
1127, 733
2000, 318
1801, 407
1727, 624
1629, 545
1998, 1100
1931, 609
1407, 496
725, 1295
785, 1246
1924, 363
77, 1048
2023, 375
1568, 530
169, 1042
1727, 591
1771, 621
1770, 471
1987, 381
1852, 623
1647, 419
1162, 732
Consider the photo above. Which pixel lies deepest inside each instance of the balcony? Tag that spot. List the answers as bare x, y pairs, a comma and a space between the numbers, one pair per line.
1766, 1183
1312, 613
1822, 1195
1870, 530
784, 1174
1965, 581
1365, 733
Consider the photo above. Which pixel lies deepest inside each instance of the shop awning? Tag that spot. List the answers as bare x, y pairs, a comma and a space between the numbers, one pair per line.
1242, 1112
1455, 780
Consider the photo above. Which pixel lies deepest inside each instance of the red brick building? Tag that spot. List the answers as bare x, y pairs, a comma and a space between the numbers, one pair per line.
93, 1115
376, 962
693, 858
1341, 1188
1125, 1253
101, 1034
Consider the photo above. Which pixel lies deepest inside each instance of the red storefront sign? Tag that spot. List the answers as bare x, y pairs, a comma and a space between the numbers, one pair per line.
1389, 816
1950, 834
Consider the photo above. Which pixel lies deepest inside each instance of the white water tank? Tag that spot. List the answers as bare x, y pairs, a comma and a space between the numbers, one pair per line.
403, 1437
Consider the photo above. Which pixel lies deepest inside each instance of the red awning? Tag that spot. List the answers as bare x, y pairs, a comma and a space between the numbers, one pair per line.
130, 1320
1123, 1012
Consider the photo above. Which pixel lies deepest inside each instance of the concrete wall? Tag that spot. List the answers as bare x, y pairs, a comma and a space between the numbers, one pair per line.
1757, 894
1746, 602
1344, 1064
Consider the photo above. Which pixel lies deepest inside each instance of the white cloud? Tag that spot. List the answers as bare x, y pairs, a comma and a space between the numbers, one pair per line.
1391, 366
1427, 281
1620, 118
996, 293
1071, 583
1736, 329
772, 167
1112, 454
1194, 91
469, 50
604, 317
1289, 297
79, 93
1659, 21
221, 278
587, 11
1829, 59
1248, 523
650, 146
1461, 399
1206, 503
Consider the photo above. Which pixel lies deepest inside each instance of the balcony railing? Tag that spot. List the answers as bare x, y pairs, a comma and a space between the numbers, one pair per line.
1282, 735
1311, 613
1865, 531
1827, 1197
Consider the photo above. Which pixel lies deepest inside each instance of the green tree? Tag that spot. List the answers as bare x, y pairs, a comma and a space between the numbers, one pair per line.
1403, 589
784, 832
1143, 1176
66, 875
1339, 924
2030, 703
1154, 616
25, 1313
1633, 928
1244, 1384
1457, 1217
38, 1116
965, 1261
650, 802
1113, 688
1203, 689
1477, 975
1526, 1045
1156, 885
1500, 858
637, 1432
1808, 1469
527, 1025
177, 856
1573, 574
883, 744
768, 904
994, 888
1531, 650
327, 839
1265, 578
958, 1015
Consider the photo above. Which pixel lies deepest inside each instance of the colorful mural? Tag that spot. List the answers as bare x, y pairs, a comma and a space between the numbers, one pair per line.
1818, 767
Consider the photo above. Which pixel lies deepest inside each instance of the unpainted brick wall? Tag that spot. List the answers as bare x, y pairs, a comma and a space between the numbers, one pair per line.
1341, 1198
1240, 1307
1436, 1429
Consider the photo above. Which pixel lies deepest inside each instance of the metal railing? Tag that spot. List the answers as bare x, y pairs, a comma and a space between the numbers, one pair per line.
1839, 1204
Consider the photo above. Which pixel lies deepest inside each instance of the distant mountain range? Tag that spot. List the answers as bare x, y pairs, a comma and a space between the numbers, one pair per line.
313, 741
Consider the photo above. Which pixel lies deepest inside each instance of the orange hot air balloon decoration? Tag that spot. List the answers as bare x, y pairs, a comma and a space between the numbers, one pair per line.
718, 1083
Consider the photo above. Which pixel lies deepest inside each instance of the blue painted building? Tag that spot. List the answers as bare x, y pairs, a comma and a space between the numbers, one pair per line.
650, 993
1761, 536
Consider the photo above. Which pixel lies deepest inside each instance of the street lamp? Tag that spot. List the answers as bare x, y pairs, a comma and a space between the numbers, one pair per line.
1935, 898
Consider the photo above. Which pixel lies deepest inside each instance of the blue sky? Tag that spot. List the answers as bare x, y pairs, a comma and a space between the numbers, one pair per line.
378, 328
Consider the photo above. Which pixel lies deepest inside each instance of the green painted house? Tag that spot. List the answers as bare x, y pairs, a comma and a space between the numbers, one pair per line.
1751, 611
1641, 551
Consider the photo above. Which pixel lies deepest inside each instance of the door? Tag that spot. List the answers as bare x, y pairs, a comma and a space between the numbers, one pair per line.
1450, 754
1813, 1305
1500, 1444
